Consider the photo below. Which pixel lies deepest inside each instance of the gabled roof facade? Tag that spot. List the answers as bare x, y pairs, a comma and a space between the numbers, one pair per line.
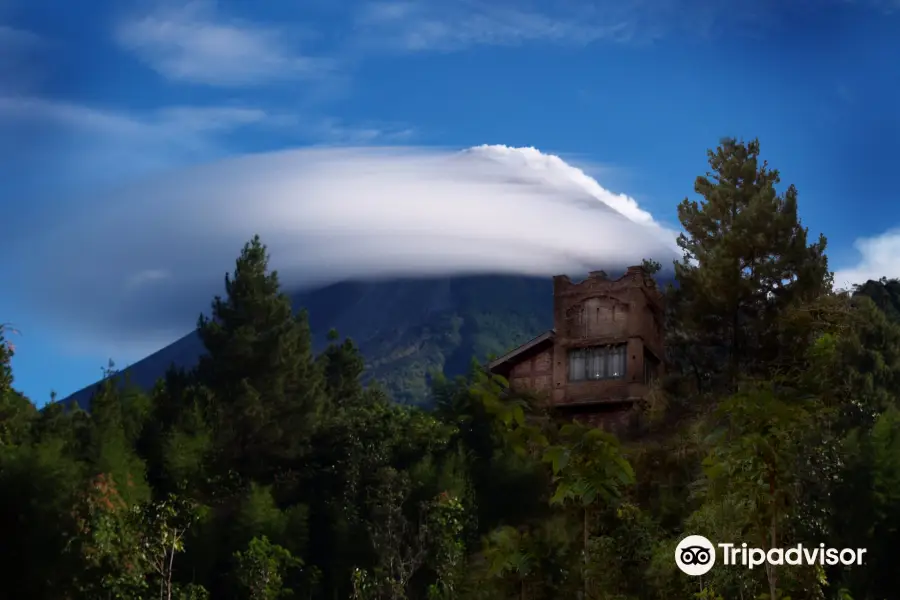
534, 345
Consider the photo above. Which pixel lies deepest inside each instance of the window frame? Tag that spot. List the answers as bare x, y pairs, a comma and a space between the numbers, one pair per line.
605, 354
651, 367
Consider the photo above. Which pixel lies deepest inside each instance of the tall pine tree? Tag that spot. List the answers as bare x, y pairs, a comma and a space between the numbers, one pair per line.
16, 411
266, 386
6, 353
746, 262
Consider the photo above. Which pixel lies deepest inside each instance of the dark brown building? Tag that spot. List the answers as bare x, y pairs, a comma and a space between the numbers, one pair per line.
605, 349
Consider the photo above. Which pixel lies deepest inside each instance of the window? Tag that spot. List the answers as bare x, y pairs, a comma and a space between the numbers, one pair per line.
598, 362
651, 367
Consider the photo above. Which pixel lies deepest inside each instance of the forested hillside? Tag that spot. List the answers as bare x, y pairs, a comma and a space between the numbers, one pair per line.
406, 328
270, 471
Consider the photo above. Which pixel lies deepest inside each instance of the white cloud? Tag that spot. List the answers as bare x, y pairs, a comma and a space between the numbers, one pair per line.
189, 126
168, 123
81, 143
326, 214
879, 257
536, 165
454, 25
337, 131
193, 44
145, 278
210, 118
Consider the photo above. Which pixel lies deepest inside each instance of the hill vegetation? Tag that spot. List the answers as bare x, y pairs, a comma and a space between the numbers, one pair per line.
270, 470
407, 329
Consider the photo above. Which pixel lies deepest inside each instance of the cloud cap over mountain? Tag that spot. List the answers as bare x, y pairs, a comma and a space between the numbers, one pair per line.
128, 272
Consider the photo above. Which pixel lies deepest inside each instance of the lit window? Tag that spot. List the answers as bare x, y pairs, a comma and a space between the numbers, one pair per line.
598, 362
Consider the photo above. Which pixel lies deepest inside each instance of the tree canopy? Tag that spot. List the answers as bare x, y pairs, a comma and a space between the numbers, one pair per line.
270, 471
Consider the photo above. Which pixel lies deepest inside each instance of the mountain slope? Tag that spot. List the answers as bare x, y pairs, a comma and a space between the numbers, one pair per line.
405, 328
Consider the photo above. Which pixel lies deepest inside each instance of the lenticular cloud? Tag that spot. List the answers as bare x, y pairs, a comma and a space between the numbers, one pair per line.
139, 264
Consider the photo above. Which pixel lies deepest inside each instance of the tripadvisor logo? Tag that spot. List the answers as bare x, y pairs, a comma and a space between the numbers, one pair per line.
695, 555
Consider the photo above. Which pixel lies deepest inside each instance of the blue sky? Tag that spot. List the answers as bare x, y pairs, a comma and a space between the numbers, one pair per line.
106, 95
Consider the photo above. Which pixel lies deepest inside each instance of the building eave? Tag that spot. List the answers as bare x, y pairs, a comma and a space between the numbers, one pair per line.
547, 336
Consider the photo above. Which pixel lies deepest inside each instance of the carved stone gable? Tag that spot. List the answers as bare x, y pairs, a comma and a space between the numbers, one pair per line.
596, 316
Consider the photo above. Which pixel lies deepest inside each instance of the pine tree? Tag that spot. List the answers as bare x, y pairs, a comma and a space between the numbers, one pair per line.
111, 450
16, 412
260, 368
6, 353
342, 366
746, 263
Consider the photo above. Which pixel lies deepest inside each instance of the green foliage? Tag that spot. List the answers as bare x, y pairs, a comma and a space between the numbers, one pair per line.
746, 260
619, 554
16, 412
651, 266
509, 414
885, 293
260, 569
343, 366
17, 415
751, 476
587, 466
445, 523
269, 472
266, 385
40, 485
191, 591
258, 514
108, 540
467, 317
7, 350
163, 526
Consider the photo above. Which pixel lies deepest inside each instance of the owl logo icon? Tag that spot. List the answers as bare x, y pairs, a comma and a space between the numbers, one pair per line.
695, 555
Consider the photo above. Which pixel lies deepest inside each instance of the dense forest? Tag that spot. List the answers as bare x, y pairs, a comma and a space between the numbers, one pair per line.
271, 472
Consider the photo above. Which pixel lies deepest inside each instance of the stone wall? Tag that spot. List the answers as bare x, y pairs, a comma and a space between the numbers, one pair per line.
594, 312
600, 311
533, 373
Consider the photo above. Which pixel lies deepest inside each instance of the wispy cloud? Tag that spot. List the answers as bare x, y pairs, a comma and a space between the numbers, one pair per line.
193, 43
455, 25
162, 123
193, 126
85, 145
19, 55
338, 131
10, 37
82, 142
326, 214
145, 278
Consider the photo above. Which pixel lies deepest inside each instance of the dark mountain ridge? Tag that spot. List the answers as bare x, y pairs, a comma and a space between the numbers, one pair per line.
406, 328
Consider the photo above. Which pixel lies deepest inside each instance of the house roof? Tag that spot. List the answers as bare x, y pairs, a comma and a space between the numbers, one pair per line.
540, 340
